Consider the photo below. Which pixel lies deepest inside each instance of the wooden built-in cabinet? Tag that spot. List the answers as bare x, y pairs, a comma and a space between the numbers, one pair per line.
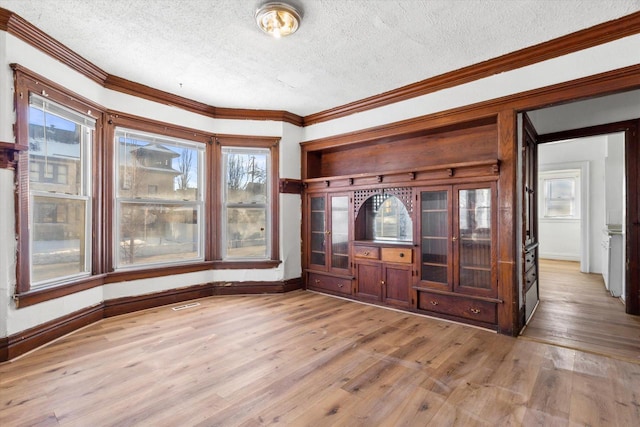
458, 252
407, 221
328, 249
383, 274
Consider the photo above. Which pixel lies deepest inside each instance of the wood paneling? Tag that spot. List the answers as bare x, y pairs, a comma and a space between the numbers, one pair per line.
412, 152
302, 359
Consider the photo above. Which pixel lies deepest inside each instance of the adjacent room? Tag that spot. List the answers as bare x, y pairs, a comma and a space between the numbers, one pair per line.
319, 212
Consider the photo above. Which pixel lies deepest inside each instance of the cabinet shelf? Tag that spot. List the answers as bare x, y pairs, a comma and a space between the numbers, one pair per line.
434, 264
475, 267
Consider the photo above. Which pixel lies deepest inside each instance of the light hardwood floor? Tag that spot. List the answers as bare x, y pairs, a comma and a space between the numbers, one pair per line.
576, 311
305, 359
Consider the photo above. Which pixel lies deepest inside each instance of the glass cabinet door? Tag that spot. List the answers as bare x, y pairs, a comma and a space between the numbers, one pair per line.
435, 238
474, 235
317, 249
339, 232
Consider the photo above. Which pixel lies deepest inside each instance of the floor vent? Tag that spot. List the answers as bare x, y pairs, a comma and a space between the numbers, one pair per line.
185, 306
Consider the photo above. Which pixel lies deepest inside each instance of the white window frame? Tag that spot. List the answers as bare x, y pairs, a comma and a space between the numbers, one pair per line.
545, 178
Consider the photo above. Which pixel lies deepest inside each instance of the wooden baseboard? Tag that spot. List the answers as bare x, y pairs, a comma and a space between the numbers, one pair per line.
27, 340
30, 339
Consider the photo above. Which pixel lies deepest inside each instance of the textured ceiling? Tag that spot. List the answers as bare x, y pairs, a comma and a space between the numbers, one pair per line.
345, 50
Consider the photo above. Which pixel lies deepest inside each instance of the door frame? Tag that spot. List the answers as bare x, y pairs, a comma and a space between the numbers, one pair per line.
632, 187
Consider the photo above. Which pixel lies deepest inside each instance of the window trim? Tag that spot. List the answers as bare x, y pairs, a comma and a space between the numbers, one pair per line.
118, 201
118, 120
271, 143
27, 83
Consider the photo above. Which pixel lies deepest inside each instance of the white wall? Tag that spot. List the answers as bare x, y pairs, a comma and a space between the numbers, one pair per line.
556, 156
609, 56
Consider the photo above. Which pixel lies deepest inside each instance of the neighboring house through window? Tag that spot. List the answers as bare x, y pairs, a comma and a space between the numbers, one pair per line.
60, 195
159, 199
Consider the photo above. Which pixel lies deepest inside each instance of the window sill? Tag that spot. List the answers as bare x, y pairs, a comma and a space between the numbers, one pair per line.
36, 296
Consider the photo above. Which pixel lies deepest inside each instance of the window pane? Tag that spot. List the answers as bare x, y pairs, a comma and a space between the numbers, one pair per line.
559, 208
55, 152
60, 143
156, 167
246, 233
157, 233
246, 177
561, 188
58, 238
246, 202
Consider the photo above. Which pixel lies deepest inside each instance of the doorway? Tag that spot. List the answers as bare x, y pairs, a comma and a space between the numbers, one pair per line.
574, 305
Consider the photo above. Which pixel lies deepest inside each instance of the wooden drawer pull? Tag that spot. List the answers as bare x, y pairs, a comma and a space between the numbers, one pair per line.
366, 253
475, 310
401, 255
317, 281
340, 285
434, 302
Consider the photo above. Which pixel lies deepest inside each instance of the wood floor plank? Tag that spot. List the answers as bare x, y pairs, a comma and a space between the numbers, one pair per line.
305, 359
576, 311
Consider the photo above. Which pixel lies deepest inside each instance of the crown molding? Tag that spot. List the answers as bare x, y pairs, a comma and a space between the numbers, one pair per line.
583, 39
614, 81
27, 32
590, 37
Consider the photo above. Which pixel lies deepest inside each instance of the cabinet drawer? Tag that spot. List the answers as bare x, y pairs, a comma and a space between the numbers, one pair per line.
370, 252
482, 311
329, 283
402, 255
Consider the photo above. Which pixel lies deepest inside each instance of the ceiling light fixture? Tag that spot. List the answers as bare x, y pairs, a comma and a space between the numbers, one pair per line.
278, 19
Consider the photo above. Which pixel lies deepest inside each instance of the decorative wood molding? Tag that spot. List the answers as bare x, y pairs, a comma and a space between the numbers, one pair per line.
290, 186
24, 341
29, 298
27, 32
583, 39
475, 169
570, 43
9, 154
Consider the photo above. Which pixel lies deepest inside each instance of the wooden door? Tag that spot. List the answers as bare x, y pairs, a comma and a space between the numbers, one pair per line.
436, 256
530, 243
474, 237
317, 232
396, 279
337, 240
369, 280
